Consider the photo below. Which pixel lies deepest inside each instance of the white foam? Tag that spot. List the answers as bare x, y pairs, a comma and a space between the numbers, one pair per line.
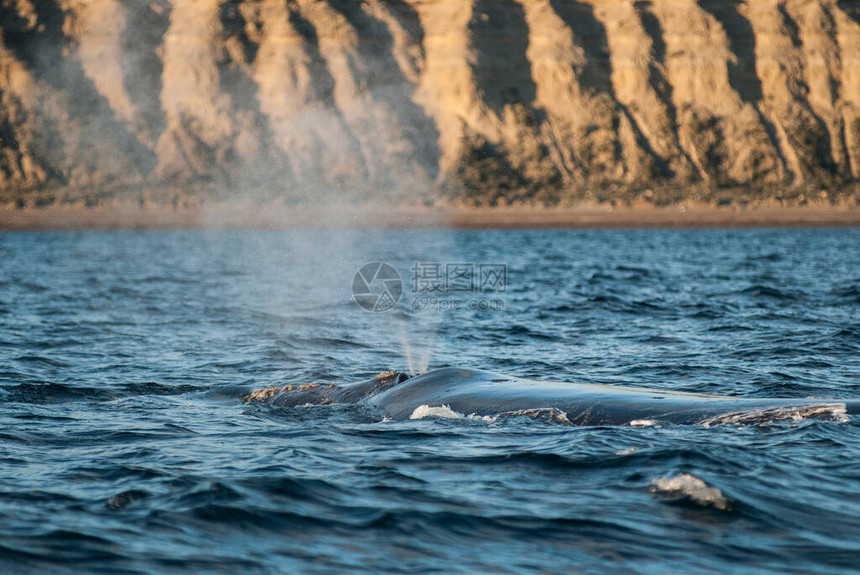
833, 411
487, 418
690, 487
642, 423
423, 411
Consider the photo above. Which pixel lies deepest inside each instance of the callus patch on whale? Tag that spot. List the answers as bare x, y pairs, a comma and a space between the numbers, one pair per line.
830, 411
325, 394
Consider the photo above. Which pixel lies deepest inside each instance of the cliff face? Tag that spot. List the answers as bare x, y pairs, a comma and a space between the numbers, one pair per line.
477, 100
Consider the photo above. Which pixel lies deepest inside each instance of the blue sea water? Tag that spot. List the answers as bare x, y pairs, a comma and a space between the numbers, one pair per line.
125, 445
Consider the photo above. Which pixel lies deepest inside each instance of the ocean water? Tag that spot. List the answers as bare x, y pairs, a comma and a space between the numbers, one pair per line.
125, 445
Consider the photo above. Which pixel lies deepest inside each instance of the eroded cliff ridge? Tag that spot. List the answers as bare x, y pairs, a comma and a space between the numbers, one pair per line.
475, 101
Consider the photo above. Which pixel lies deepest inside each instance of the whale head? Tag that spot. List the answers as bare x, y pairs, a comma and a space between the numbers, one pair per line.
381, 382
317, 394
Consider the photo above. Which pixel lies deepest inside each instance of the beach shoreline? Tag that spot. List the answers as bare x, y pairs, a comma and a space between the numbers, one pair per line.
252, 216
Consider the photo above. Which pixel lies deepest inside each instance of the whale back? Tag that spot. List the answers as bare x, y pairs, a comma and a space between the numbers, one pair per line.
483, 393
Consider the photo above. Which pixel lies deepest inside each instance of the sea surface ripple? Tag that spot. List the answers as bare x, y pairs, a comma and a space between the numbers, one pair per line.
125, 446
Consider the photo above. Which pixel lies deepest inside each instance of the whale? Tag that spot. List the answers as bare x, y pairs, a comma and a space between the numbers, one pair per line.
477, 393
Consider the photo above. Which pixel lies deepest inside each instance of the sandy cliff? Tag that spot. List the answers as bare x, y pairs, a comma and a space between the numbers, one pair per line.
487, 101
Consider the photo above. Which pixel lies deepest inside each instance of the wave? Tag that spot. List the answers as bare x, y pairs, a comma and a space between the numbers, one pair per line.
766, 292
850, 293
47, 393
